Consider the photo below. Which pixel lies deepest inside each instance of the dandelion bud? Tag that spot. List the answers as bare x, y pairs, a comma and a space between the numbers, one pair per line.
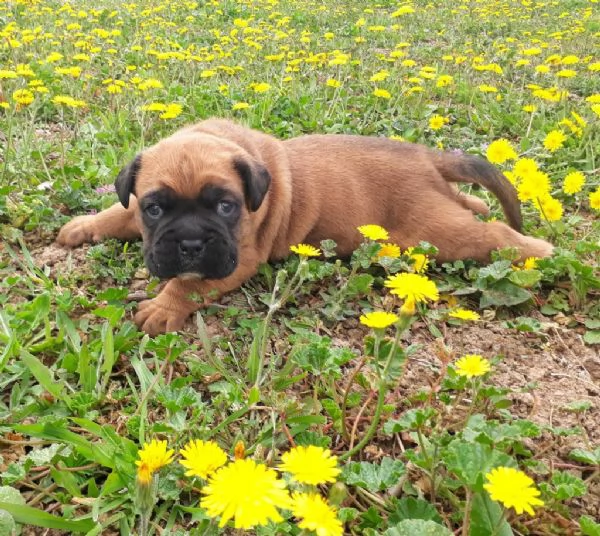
338, 493
239, 451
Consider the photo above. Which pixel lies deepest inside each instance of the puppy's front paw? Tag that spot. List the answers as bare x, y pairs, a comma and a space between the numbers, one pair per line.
78, 231
154, 317
536, 247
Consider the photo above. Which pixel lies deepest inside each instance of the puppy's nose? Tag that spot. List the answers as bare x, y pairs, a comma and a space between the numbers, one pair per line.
191, 247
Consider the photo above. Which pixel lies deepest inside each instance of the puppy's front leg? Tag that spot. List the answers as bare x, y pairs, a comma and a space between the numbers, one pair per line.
114, 222
175, 303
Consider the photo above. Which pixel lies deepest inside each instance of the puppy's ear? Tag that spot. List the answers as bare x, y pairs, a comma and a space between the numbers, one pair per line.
256, 181
125, 182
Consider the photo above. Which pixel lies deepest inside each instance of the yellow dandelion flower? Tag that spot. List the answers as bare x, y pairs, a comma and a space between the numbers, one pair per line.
68, 101
529, 108
378, 319
525, 167
513, 489
305, 250
202, 458
444, 80
593, 99
550, 208
566, 73
310, 465
315, 514
152, 456
154, 107
534, 186
419, 261
382, 93
240, 106
412, 287
5, 74
472, 365
530, 263
437, 121
373, 232
499, 151
172, 111
246, 491
403, 10
208, 73
389, 250
594, 199
331, 82
485, 88
594, 66
380, 76
24, 97
554, 140
573, 182
464, 314
262, 87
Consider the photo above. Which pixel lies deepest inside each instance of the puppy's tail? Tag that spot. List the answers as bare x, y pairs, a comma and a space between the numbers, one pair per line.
472, 169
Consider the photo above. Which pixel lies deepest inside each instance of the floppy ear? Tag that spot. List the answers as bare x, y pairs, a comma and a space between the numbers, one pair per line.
256, 181
125, 182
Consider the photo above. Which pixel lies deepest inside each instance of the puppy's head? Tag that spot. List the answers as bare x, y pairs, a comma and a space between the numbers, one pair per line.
194, 193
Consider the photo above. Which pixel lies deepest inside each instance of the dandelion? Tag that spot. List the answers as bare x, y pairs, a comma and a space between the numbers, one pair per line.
315, 514
24, 97
373, 232
513, 489
331, 82
68, 101
172, 111
389, 250
202, 458
499, 151
152, 456
554, 140
382, 93
380, 76
484, 88
262, 87
530, 263
154, 107
413, 288
529, 108
403, 10
534, 186
551, 209
525, 167
594, 199
240, 106
573, 182
472, 365
444, 80
464, 314
437, 121
310, 465
6, 74
305, 250
378, 319
420, 261
248, 492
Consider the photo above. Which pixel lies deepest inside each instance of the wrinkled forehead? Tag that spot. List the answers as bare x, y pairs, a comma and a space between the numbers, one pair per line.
186, 164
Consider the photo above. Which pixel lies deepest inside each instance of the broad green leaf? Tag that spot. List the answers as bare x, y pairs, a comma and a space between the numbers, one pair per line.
374, 476
485, 517
413, 508
586, 456
503, 292
420, 527
469, 462
525, 278
589, 527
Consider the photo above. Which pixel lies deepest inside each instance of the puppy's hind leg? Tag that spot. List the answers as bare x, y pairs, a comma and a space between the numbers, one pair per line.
114, 222
460, 236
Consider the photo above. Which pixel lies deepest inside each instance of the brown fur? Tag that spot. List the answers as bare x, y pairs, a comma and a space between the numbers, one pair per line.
322, 187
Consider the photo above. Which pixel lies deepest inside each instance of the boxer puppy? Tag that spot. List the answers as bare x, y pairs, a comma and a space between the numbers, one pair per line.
216, 199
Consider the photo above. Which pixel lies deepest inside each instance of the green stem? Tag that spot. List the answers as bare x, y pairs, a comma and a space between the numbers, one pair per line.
374, 424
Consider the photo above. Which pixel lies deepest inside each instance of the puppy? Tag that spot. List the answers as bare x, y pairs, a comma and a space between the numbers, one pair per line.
215, 200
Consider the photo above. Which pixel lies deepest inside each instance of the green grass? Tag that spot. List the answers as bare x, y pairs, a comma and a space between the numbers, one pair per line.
285, 361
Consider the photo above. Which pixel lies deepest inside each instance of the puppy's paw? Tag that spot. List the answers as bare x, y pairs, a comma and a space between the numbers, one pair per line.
536, 247
78, 231
155, 317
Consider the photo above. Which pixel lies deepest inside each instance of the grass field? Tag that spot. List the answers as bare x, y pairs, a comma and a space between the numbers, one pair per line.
475, 414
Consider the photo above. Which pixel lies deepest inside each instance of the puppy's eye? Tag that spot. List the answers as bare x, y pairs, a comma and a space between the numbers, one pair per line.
154, 211
226, 208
